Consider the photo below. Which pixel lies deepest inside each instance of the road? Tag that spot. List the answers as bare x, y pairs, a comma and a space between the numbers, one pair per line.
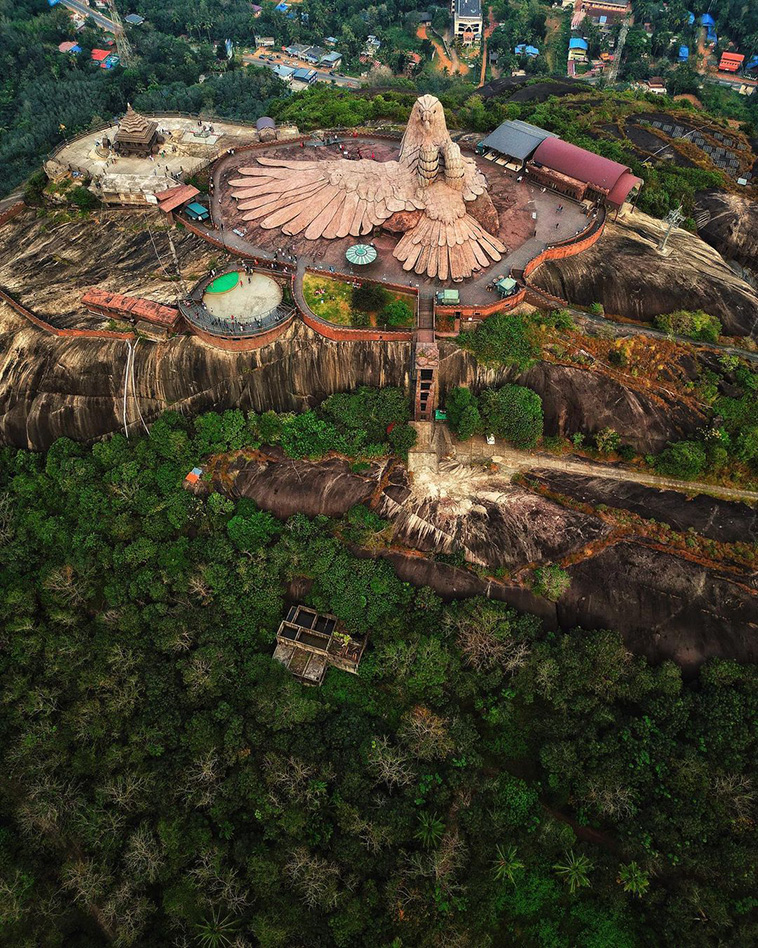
613, 72
102, 21
322, 75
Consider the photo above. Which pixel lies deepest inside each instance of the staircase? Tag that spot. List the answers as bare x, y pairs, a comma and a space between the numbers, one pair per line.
426, 359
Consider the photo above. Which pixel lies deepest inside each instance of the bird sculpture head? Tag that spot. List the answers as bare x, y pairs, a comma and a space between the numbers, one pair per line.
426, 131
428, 110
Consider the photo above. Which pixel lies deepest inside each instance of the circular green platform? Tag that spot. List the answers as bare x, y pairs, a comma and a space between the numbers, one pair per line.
224, 283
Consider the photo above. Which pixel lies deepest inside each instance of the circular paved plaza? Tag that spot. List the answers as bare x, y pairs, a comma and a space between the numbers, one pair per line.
245, 301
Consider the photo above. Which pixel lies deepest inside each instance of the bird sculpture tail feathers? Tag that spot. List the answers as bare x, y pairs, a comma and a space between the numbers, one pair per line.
448, 250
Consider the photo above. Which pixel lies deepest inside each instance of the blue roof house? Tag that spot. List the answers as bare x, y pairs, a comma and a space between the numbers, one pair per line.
684, 54
576, 42
525, 50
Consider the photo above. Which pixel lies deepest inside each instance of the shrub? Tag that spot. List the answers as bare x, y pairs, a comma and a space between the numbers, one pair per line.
34, 188
683, 459
607, 440
370, 296
503, 339
83, 198
396, 313
514, 413
463, 416
551, 582
359, 319
696, 324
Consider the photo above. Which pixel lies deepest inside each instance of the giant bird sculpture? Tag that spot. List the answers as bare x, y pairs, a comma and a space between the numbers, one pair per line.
338, 197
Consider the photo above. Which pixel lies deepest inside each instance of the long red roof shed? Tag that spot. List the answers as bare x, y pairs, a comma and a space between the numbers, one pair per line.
615, 179
731, 62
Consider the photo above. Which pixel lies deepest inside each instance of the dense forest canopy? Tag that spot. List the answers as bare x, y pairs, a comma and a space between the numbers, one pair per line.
479, 783
46, 95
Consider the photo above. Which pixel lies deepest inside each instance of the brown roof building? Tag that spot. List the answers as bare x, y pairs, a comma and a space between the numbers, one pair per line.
136, 134
603, 179
132, 308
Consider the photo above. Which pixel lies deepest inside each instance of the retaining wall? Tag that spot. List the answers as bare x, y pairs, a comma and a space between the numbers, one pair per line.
63, 333
13, 211
482, 311
349, 333
244, 343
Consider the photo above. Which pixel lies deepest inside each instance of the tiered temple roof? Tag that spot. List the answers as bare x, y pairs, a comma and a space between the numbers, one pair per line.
135, 128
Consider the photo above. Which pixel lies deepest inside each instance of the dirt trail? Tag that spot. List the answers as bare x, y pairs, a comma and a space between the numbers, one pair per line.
428, 453
443, 60
488, 31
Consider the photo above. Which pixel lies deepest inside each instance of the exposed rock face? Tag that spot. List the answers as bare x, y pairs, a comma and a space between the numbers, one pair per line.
494, 523
285, 486
401, 221
625, 273
49, 268
664, 606
721, 520
51, 387
575, 398
450, 582
731, 227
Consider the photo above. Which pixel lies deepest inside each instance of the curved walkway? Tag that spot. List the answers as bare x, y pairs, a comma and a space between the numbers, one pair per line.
516, 260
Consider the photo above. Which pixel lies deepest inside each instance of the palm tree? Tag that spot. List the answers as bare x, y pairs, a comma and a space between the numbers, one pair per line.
506, 863
633, 879
431, 830
574, 870
216, 930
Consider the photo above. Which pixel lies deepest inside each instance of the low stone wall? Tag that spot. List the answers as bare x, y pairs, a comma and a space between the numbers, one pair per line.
482, 311
244, 343
349, 333
63, 333
540, 297
568, 249
13, 211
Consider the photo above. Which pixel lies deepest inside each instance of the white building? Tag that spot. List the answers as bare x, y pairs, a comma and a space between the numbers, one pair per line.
467, 21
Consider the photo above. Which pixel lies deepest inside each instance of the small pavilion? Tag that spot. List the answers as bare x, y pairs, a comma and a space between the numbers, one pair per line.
136, 135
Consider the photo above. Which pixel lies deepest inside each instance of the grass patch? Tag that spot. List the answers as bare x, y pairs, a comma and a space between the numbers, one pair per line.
332, 300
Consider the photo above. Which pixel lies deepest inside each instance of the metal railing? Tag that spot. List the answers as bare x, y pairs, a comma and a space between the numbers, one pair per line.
197, 314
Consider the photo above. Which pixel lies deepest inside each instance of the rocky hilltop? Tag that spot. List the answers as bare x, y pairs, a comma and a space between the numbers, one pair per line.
729, 222
667, 601
625, 272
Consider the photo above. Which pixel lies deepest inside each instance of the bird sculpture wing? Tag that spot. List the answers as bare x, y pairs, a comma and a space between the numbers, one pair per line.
329, 198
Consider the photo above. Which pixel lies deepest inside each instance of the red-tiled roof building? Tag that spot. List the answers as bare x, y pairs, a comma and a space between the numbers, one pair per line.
731, 62
602, 178
130, 307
